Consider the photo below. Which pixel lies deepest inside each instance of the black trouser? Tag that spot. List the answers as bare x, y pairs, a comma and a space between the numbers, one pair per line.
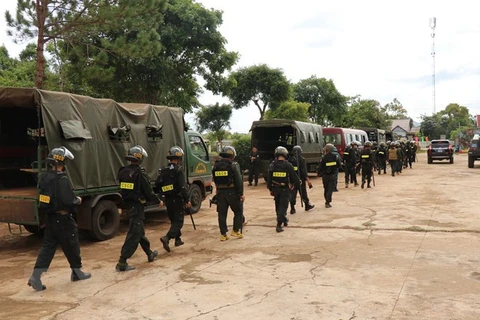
350, 173
60, 230
393, 166
253, 172
229, 198
382, 165
281, 196
303, 195
175, 209
135, 234
335, 180
328, 186
411, 159
367, 173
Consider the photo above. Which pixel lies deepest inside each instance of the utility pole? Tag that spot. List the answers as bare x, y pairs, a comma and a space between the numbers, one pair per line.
433, 24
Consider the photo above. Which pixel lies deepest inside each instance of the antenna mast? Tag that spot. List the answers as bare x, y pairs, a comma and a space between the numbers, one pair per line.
433, 24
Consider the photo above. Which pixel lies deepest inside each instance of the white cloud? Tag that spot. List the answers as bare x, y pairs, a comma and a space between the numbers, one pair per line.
378, 49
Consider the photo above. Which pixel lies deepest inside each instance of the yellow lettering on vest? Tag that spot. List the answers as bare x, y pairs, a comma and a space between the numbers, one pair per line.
167, 188
381, 152
280, 174
365, 156
126, 185
330, 164
43, 198
221, 173
295, 168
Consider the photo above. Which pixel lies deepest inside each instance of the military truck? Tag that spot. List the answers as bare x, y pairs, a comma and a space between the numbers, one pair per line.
98, 132
269, 134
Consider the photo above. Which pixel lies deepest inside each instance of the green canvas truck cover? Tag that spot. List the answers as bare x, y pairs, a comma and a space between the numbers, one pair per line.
99, 132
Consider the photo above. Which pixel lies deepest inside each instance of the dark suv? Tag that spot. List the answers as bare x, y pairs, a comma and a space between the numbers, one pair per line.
440, 150
474, 150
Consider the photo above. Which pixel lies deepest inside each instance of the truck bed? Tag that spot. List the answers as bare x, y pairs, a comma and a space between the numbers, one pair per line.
25, 192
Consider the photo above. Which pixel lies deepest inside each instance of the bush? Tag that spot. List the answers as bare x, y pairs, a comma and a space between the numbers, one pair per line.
243, 147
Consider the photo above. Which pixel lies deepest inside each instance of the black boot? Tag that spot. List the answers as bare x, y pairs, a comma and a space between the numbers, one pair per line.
363, 184
123, 266
178, 242
279, 227
78, 274
309, 206
292, 209
152, 256
285, 223
165, 241
35, 281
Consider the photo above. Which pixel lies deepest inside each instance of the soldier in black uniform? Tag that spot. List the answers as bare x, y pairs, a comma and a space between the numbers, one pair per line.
173, 188
58, 202
381, 157
229, 183
300, 166
329, 164
367, 164
136, 190
253, 169
350, 157
281, 179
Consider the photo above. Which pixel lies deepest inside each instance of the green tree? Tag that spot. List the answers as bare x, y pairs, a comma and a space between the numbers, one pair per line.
395, 110
431, 126
214, 118
193, 49
447, 122
291, 110
327, 105
76, 21
366, 113
260, 84
243, 147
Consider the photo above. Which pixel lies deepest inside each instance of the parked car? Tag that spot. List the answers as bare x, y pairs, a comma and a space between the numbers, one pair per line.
474, 151
440, 150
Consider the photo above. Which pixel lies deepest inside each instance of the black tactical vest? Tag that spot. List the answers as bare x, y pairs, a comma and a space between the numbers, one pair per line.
365, 156
47, 192
279, 172
167, 181
223, 172
293, 160
129, 183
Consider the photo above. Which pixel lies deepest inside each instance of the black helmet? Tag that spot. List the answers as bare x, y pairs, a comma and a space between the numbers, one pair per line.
297, 149
368, 144
59, 155
281, 151
228, 152
175, 152
374, 143
136, 154
382, 144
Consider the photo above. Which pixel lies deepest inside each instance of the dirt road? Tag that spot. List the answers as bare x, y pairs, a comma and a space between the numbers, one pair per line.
406, 249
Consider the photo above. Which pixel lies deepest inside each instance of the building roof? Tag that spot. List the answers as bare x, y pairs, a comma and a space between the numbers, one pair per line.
402, 123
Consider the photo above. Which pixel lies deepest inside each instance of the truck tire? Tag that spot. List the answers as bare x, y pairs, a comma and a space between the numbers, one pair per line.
471, 162
105, 220
36, 230
195, 198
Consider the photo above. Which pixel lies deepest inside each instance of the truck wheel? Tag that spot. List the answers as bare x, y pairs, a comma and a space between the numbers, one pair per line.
471, 162
105, 220
36, 230
195, 198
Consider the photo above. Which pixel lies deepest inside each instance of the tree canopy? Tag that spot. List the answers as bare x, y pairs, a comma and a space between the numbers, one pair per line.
327, 105
260, 84
214, 118
366, 113
291, 110
447, 122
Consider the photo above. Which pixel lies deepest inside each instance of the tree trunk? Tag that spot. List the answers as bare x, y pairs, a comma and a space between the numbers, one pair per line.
41, 6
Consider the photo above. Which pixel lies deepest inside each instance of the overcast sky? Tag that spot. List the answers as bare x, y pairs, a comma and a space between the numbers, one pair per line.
378, 49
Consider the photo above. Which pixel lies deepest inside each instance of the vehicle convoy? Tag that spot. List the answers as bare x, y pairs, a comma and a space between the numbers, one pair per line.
474, 151
342, 137
98, 132
269, 134
440, 150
